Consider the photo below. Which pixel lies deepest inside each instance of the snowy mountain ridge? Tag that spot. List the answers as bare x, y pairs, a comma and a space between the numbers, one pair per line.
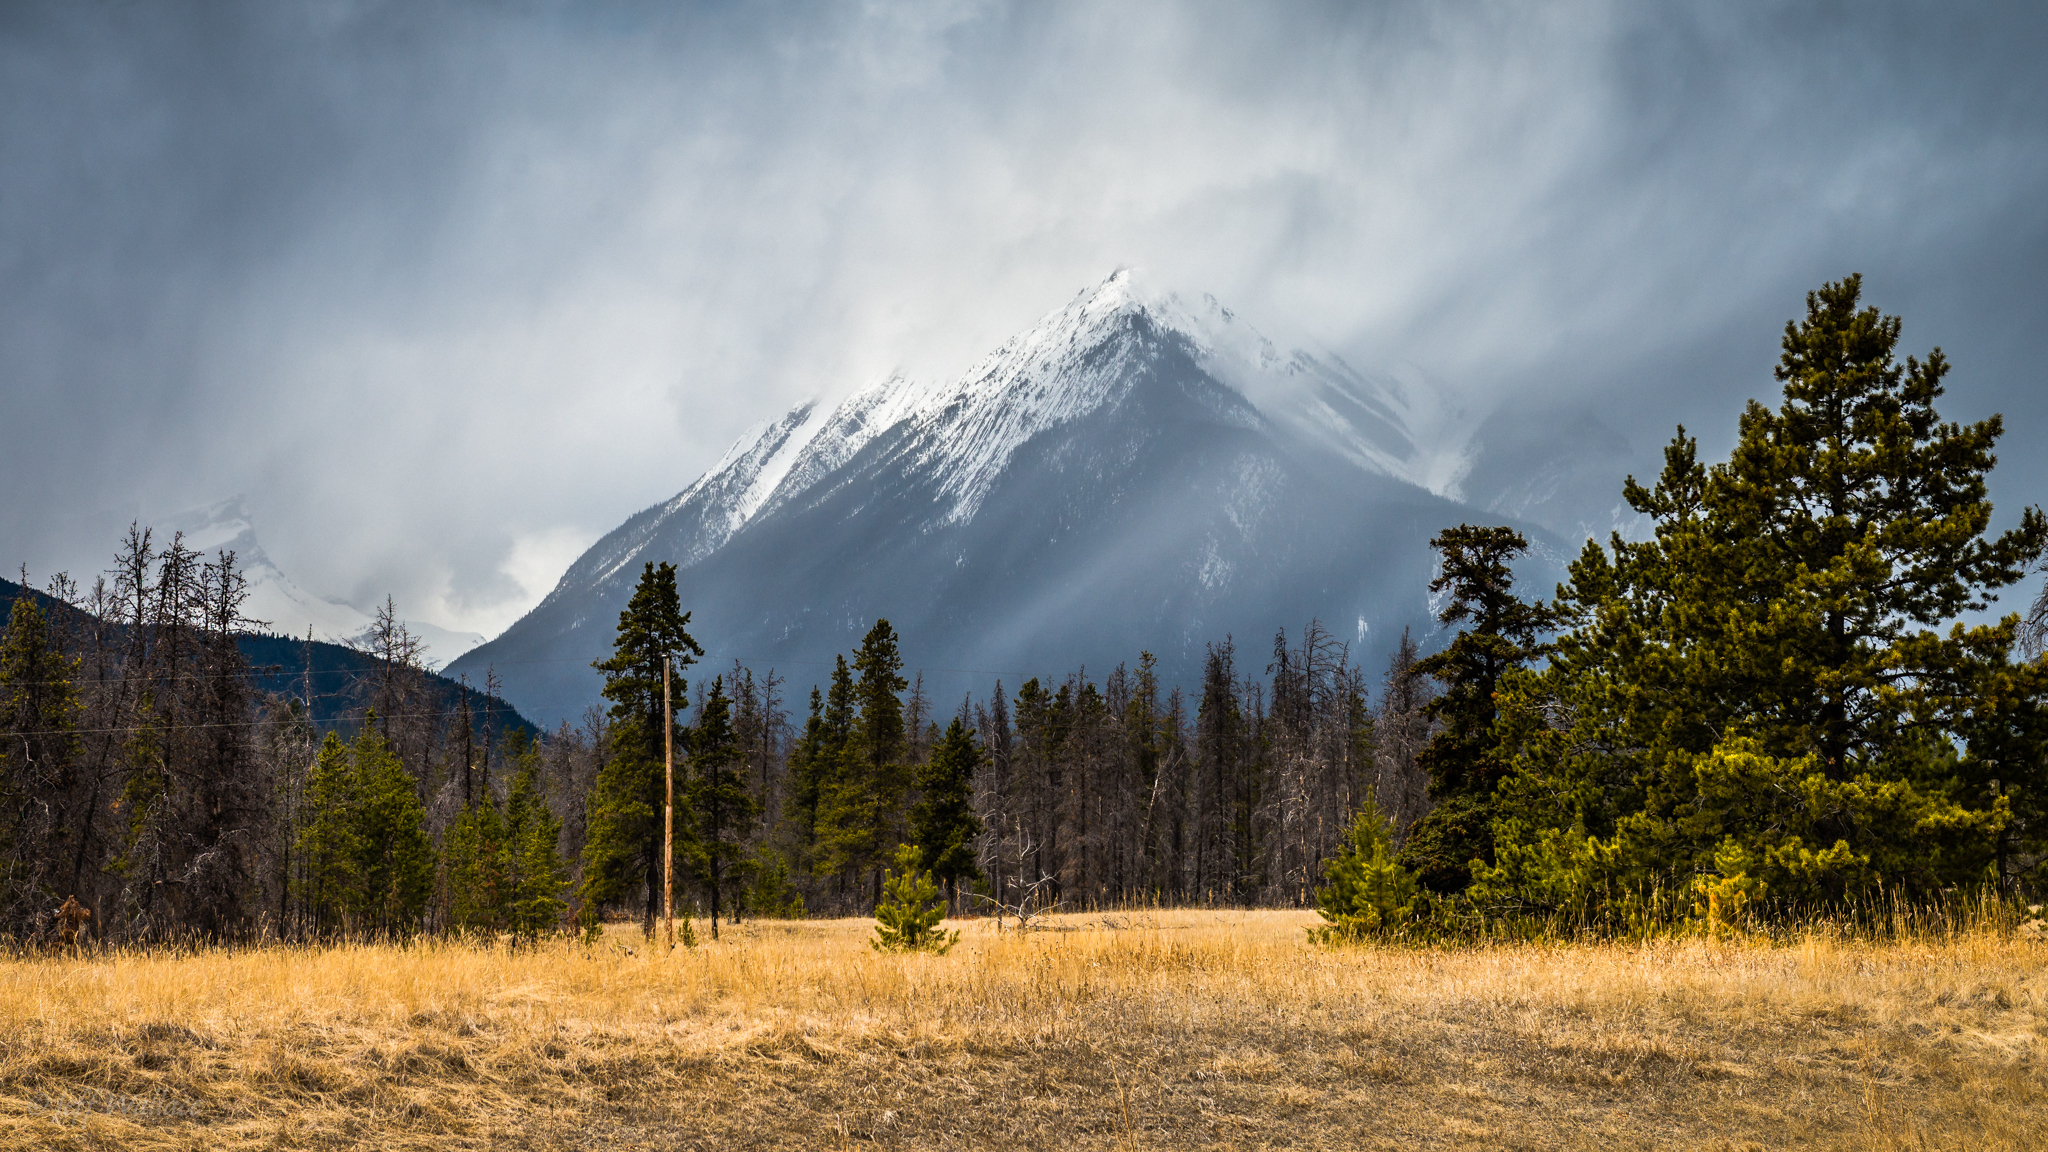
965, 432
279, 603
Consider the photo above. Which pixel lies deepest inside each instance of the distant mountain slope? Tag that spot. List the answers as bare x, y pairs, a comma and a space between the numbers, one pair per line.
292, 667
281, 604
1130, 474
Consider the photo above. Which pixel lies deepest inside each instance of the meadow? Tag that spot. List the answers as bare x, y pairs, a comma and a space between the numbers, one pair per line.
1146, 1029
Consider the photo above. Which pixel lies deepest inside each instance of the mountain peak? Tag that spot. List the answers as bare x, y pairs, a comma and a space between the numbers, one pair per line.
279, 603
962, 433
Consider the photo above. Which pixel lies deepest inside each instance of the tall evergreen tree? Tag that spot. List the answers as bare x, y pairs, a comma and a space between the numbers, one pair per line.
534, 904
476, 869
1464, 762
864, 802
806, 759
846, 816
943, 825
1776, 689
39, 709
625, 807
721, 807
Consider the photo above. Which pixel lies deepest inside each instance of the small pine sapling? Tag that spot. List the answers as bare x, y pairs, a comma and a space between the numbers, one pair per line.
1368, 895
907, 919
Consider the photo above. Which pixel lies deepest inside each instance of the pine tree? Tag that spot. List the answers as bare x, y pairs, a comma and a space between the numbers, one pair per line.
943, 825
1367, 892
846, 816
476, 863
773, 894
369, 863
908, 914
39, 709
806, 761
1777, 684
862, 795
1464, 761
534, 904
624, 841
880, 745
721, 809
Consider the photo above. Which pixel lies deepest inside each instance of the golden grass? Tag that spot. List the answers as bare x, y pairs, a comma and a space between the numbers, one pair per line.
1146, 1030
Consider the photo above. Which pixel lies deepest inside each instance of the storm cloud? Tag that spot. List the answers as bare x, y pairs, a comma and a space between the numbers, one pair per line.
449, 290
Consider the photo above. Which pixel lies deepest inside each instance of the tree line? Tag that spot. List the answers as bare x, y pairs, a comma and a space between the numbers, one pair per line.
153, 771
1097, 792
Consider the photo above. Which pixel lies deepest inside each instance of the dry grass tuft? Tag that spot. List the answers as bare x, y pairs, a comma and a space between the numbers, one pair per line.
1145, 1030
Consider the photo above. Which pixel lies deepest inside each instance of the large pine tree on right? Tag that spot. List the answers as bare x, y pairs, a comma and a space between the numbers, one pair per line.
1776, 699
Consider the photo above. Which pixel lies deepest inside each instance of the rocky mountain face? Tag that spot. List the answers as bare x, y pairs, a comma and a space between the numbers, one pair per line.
1134, 473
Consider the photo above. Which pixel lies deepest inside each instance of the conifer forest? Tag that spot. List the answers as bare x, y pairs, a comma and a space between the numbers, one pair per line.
1789, 692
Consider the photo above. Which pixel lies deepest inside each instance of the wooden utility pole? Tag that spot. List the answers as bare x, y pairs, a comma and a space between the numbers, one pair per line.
668, 815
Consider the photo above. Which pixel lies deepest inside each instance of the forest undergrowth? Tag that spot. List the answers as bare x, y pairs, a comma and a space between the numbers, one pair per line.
1139, 1029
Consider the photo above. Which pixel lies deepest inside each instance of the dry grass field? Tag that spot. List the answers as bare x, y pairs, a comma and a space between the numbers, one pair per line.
1145, 1030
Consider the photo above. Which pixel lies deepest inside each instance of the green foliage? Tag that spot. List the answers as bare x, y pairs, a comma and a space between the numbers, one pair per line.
773, 895
1464, 760
943, 824
1367, 894
39, 710
720, 807
860, 770
369, 862
1447, 842
624, 839
807, 759
503, 871
476, 869
1777, 682
539, 876
907, 919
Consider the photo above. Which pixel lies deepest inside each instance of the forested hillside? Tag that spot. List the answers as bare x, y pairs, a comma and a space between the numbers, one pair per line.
157, 753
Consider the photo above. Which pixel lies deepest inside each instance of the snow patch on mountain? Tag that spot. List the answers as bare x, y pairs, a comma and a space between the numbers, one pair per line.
280, 604
964, 433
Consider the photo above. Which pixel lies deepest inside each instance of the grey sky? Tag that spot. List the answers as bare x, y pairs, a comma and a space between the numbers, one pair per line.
449, 290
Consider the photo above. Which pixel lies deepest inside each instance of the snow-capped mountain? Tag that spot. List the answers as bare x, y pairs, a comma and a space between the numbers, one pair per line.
1067, 366
1134, 472
282, 605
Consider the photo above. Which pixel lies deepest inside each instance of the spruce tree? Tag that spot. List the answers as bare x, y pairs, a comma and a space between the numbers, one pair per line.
39, 711
534, 904
369, 863
862, 799
805, 760
845, 813
943, 825
1777, 689
1464, 761
624, 838
720, 807
476, 869
879, 737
